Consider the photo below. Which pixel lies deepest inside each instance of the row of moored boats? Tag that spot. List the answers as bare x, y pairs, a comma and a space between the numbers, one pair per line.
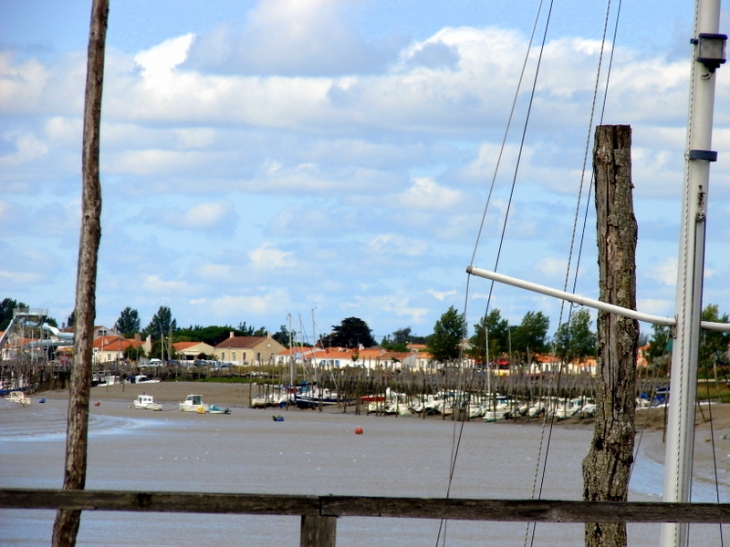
489, 407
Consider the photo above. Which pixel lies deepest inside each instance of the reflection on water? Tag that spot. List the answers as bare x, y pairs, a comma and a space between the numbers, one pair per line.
308, 453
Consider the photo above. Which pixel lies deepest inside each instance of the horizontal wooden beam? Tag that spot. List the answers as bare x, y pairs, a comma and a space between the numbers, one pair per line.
525, 510
165, 502
364, 506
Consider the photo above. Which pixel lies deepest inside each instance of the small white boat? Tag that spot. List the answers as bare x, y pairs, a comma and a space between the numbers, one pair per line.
217, 410
18, 397
194, 403
401, 409
146, 402
495, 415
142, 379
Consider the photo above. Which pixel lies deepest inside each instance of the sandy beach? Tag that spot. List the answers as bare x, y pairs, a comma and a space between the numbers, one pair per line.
239, 395
649, 422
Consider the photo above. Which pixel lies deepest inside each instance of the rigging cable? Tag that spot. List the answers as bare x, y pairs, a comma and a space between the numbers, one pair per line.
573, 235
456, 443
712, 439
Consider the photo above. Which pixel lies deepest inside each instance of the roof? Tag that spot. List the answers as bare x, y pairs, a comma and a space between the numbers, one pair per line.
180, 346
242, 342
116, 343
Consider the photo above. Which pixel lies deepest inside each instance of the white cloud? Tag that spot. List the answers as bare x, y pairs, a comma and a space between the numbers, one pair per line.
195, 137
14, 280
440, 295
155, 284
655, 306
64, 130
269, 301
20, 84
396, 245
204, 215
27, 148
160, 60
551, 266
664, 272
268, 257
425, 193
218, 273
289, 37
159, 162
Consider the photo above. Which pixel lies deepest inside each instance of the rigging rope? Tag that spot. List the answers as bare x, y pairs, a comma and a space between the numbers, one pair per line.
457, 438
455, 446
575, 224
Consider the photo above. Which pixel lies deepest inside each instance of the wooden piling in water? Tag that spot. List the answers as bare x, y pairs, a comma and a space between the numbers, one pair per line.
607, 467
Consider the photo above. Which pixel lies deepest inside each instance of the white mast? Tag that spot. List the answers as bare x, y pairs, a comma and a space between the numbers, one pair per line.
690, 269
292, 363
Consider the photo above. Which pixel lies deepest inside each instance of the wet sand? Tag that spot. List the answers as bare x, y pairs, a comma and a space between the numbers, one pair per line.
649, 422
239, 395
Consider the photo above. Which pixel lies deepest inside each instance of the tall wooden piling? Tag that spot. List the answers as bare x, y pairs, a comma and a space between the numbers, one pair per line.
607, 466
66, 525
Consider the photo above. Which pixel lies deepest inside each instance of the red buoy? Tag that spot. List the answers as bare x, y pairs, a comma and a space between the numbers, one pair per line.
358, 431
97, 403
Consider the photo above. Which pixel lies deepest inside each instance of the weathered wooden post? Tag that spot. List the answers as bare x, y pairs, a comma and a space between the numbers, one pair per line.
66, 526
318, 531
607, 466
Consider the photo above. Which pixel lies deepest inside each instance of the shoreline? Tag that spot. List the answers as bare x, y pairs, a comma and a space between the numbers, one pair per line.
238, 395
649, 422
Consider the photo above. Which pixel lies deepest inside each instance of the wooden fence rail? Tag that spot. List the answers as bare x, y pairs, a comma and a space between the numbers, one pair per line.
319, 513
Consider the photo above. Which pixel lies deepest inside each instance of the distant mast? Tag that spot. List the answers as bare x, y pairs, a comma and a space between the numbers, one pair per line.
708, 54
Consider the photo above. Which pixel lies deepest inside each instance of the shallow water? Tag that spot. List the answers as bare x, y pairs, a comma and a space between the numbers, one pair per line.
309, 453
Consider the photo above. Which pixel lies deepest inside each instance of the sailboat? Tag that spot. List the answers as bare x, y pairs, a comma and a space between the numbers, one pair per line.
708, 54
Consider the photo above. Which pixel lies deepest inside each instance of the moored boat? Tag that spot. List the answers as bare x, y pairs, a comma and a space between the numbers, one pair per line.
142, 379
146, 402
217, 410
18, 397
194, 403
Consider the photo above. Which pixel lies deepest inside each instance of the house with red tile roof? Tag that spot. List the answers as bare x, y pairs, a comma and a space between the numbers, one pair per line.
189, 351
111, 348
248, 350
370, 358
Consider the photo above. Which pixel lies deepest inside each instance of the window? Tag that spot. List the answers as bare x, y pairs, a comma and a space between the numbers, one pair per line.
223, 356
233, 356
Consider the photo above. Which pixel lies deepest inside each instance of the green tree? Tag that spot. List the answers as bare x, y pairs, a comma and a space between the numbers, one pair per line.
132, 354
530, 336
284, 337
398, 341
713, 344
6, 311
128, 323
448, 333
250, 330
496, 329
212, 335
352, 332
574, 341
660, 346
162, 323
71, 319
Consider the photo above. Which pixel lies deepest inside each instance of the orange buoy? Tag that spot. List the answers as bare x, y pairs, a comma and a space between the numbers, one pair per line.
358, 431
97, 403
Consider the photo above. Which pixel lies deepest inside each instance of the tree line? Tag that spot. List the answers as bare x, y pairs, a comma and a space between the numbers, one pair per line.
493, 336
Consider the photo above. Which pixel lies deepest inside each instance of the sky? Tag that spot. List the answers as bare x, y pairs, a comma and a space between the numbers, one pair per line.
298, 162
